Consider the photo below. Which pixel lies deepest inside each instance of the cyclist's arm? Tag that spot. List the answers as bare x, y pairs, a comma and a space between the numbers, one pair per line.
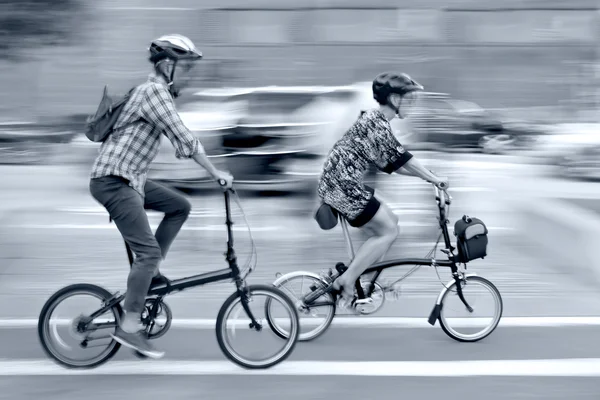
159, 108
205, 163
414, 168
404, 171
395, 158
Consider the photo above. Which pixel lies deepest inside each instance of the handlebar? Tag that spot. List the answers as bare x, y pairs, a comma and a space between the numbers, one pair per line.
223, 184
442, 196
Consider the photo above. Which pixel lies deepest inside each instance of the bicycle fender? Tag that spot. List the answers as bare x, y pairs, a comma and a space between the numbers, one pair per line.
445, 289
437, 308
291, 275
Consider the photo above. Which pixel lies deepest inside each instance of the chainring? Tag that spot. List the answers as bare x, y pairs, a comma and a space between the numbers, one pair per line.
153, 328
375, 301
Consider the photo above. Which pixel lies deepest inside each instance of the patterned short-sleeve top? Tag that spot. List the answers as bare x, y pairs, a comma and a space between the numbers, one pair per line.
369, 141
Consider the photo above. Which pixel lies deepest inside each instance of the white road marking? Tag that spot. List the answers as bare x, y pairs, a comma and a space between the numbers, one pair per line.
108, 226
220, 227
576, 367
150, 8
363, 322
471, 189
199, 213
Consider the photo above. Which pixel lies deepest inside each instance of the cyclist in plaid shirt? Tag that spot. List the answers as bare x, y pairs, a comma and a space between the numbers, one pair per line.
119, 183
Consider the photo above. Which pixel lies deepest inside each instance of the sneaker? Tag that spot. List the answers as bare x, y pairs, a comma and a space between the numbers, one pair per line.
137, 341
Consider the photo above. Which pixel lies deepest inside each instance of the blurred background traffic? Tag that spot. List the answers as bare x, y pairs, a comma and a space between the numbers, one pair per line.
511, 113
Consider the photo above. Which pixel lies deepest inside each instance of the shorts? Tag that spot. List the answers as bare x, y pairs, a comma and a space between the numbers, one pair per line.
357, 204
368, 211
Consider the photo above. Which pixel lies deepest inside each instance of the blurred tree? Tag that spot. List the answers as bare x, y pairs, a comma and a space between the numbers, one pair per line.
33, 23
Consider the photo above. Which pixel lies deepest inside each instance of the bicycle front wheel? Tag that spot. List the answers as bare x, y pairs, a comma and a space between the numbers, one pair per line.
234, 325
485, 300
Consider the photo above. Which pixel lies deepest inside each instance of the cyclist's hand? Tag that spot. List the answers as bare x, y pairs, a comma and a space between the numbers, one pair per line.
442, 183
225, 177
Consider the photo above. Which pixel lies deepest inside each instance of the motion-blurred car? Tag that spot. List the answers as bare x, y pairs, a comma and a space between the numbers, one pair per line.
270, 139
582, 163
35, 142
459, 124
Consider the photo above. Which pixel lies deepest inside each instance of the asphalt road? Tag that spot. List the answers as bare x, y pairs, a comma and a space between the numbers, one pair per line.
512, 363
52, 234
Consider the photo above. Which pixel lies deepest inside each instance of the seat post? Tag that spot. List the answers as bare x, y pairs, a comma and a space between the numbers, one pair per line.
349, 245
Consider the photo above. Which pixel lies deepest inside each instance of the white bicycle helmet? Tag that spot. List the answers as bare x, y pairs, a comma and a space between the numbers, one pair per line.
172, 47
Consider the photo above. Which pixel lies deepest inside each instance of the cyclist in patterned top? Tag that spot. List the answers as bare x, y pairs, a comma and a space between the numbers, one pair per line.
370, 141
118, 179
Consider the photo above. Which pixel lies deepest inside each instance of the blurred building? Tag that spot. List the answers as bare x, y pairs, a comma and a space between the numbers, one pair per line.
510, 54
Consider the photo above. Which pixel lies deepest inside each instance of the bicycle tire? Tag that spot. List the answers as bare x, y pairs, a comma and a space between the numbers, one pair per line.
319, 330
492, 328
221, 324
51, 304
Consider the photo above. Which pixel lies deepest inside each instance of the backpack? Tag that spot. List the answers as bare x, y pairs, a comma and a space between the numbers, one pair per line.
101, 124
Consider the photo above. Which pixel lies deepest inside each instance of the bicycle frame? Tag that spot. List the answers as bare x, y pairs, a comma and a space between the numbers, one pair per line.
164, 289
233, 272
379, 267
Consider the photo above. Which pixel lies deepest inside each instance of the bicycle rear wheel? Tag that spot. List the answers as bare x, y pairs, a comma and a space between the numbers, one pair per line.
241, 326
486, 301
83, 332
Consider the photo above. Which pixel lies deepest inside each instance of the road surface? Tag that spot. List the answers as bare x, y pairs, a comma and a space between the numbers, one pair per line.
356, 363
52, 234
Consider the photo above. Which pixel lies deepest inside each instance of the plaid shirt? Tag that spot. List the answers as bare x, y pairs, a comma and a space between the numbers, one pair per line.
128, 152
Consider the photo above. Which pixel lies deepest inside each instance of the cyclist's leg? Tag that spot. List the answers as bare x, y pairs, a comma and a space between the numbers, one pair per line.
383, 231
176, 208
126, 208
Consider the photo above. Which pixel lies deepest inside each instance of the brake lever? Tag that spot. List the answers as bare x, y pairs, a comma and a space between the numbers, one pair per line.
448, 198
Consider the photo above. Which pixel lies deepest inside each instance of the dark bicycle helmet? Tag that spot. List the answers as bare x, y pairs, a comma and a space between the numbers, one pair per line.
387, 83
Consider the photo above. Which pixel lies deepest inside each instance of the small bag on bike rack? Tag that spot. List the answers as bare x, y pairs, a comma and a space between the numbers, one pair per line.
327, 217
471, 239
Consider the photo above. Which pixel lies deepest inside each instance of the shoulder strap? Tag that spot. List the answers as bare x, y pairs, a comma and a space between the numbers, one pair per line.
124, 102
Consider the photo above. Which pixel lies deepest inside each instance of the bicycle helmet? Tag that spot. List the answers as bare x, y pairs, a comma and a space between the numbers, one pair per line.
386, 84
172, 47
